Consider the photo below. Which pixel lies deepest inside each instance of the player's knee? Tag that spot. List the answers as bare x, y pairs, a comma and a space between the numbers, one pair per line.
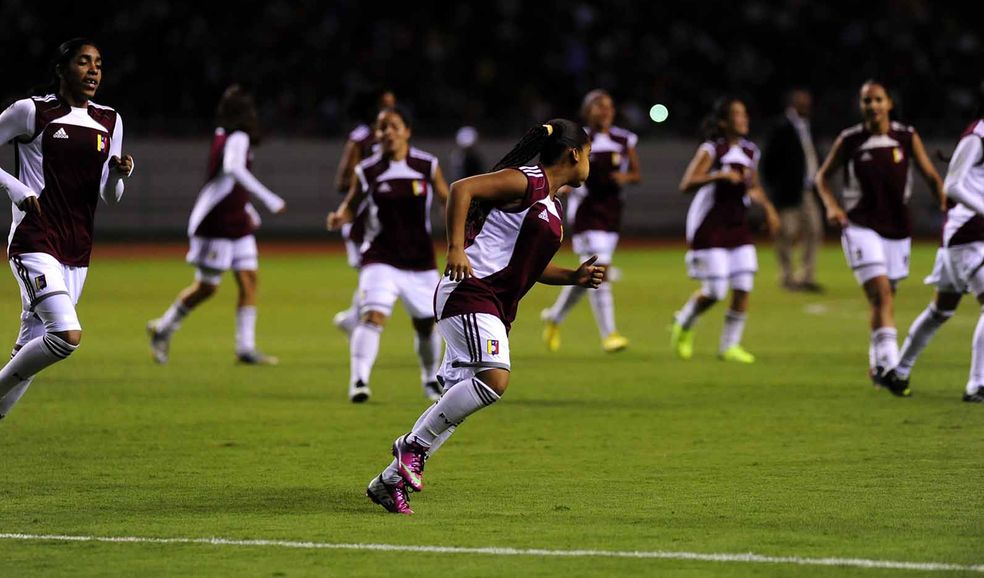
63, 343
204, 290
495, 379
714, 291
373, 317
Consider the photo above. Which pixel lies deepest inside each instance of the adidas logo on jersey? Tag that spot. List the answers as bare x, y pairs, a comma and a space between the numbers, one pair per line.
544, 215
384, 188
60, 133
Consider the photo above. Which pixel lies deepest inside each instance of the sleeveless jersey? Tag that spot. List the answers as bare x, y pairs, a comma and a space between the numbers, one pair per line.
508, 250
963, 225
600, 208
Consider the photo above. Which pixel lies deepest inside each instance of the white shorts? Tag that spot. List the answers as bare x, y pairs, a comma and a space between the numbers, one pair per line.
41, 277
870, 255
215, 256
474, 342
601, 243
380, 285
959, 269
721, 264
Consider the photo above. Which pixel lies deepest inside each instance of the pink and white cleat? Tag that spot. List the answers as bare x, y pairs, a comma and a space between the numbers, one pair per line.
393, 498
410, 459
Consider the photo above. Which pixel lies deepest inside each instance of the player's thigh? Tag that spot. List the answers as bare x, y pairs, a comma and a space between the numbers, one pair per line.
474, 342
599, 243
417, 292
378, 288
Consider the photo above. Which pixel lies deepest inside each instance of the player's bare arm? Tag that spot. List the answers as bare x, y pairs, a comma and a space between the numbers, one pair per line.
634, 174
758, 196
441, 186
928, 171
587, 275
698, 173
834, 161
506, 186
345, 213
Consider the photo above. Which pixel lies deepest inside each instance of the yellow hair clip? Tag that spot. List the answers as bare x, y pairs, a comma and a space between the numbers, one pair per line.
549, 129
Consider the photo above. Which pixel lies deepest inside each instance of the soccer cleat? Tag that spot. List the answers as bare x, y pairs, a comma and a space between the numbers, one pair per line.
410, 458
359, 392
345, 322
895, 384
433, 390
976, 397
874, 374
614, 342
391, 497
256, 358
682, 341
737, 354
160, 342
551, 331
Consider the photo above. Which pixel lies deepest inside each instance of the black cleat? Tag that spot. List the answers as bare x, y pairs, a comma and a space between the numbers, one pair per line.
976, 397
359, 392
896, 385
875, 375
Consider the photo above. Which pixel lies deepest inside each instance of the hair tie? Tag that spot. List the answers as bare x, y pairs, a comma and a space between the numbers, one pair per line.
549, 128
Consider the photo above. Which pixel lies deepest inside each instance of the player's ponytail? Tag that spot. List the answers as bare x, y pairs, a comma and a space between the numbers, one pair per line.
550, 141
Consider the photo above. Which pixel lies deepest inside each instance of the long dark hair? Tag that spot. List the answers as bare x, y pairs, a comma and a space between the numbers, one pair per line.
237, 111
551, 141
66, 52
720, 114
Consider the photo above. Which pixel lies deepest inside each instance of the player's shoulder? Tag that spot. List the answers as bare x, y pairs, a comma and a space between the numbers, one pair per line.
370, 161
104, 115
748, 145
360, 133
418, 154
852, 131
714, 147
903, 128
623, 134
530, 170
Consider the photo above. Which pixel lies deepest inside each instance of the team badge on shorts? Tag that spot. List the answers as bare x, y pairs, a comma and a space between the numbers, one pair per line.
40, 282
492, 346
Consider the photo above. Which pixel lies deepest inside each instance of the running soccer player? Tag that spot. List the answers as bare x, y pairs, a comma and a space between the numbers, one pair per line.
221, 231
724, 174
875, 228
595, 212
503, 229
361, 144
69, 154
958, 267
398, 185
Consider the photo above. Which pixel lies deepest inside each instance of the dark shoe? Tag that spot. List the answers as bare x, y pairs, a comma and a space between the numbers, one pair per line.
811, 287
976, 397
896, 385
359, 392
433, 390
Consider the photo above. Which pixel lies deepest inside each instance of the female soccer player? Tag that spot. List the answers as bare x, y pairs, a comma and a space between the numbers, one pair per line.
398, 185
361, 145
958, 267
503, 229
724, 174
875, 234
595, 211
68, 152
221, 230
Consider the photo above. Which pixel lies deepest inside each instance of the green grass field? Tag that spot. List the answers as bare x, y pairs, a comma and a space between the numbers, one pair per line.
796, 455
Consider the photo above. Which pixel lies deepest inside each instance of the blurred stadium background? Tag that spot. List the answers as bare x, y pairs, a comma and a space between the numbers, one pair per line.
498, 66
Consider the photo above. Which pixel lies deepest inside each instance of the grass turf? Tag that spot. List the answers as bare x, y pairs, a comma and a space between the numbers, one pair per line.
796, 455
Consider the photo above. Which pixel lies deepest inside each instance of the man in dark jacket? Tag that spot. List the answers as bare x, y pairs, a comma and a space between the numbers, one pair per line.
789, 163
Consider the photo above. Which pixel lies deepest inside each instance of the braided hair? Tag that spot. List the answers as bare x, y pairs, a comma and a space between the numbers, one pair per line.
551, 141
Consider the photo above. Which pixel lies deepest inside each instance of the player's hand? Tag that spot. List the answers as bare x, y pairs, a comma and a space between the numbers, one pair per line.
590, 275
281, 210
836, 216
122, 166
458, 267
731, 176
336, 219
30, 205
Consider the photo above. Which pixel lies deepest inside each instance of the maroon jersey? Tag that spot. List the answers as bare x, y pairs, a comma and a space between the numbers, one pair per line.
508, 249
223, 209
600, 199
397, 210
963, 225
877, 183
61, 154
717, 215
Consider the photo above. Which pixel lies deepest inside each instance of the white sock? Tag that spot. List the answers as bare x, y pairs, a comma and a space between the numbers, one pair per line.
363, 348
687, 315
14, 395
886, 346
428, 352
603, 307
36, 355
921, 332
459, 401
977, 357
391, 474
246, 329
171, 320
734, 326
568, 298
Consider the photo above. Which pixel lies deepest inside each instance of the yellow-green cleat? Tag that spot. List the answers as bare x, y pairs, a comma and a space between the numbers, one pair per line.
551, 331
614, 342
682, 341
737, 354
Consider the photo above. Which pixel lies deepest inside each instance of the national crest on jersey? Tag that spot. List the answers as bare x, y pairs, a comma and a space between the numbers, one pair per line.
397, 212
717, 215
600, 208
877, 180
508, 247
63, 161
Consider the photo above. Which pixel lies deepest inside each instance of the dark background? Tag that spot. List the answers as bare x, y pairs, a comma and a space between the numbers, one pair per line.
505, 65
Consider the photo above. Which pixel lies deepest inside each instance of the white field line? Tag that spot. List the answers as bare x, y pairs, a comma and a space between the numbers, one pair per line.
532, 552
